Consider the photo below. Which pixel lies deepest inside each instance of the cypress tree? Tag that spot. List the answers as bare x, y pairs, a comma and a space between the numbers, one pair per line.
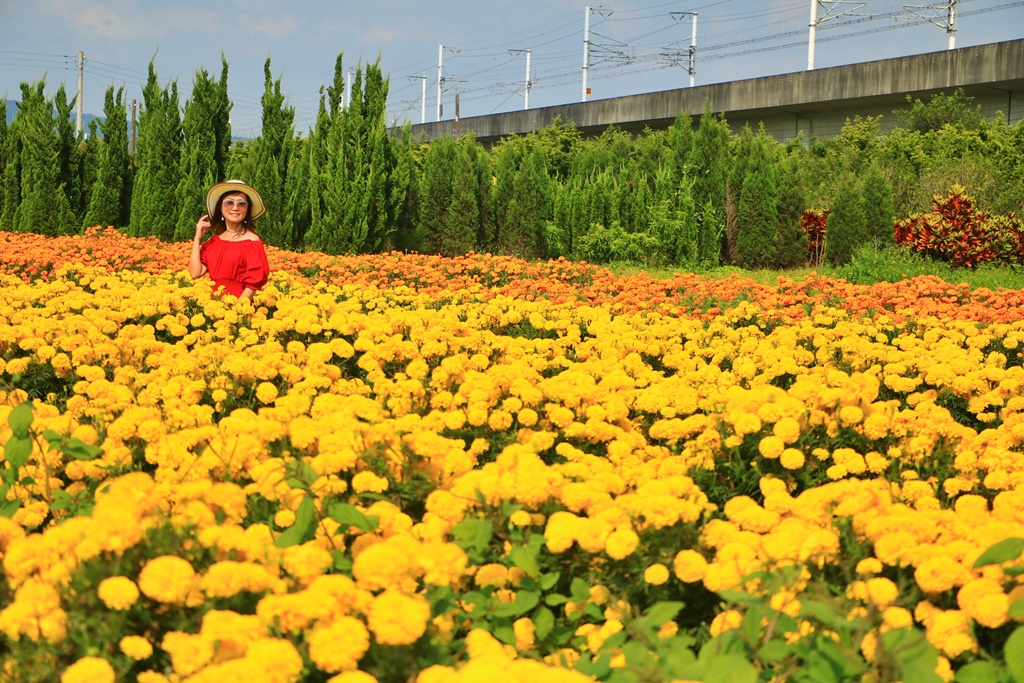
198, 163
3, 162
791, 240
506, 157
88, 166
272, 154
220, 112
111, 193
320, 154
878, 207
709, 162
757, 210
405, 192
351, 199
436, 193
529, 209
157, 160
68, 159
42, 207
846, 229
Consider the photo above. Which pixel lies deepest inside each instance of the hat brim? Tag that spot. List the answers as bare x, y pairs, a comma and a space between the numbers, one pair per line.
256, 208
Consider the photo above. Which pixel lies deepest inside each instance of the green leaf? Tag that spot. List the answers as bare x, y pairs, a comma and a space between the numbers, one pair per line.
543, 621
977, 672
1016, 610
549, 580
555, 599
732, 668
774, 651
526, 559
1013, 651
739, 597
580, 590
1003, 551
20, 419
474, 533
17, 451
8, 508
341, 562
820, 611
294, 534
915, 656
349, 515
637, 655
79, 450
660, 613
524, 602
505, 633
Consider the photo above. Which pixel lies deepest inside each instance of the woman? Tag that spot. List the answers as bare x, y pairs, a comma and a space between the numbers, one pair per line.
234, 257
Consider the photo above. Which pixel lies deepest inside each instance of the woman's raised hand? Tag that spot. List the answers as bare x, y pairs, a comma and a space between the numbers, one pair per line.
202, 226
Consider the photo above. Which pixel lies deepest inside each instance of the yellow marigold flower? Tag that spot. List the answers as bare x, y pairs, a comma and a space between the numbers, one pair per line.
89, 670
307, 561
881, 591
499, 420
118, 592
284, 518
266, 393
668, 629
527, 417
136, 647
492, 574
339, 646
525, 632
167, 579
940, 573
851, 415
398, 619
869, 645
869, 565
771, 446
189, 653
621, 544
480, 644
746, 423
944, 670
725, 621
792, 459
357, 677
561, 531
690, 566
274, 660
897, 617
520, 518
151, 677
656, 574
787, 429
368, 482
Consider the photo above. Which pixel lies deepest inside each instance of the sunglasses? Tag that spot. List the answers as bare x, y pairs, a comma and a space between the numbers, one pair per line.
231, 203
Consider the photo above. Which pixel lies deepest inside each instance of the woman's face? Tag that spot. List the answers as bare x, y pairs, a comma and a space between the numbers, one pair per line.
234, 206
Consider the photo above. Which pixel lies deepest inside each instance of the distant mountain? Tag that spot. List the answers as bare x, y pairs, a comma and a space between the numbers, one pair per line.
12, 109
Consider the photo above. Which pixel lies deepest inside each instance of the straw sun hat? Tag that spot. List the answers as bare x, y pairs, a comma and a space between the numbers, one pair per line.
256, 207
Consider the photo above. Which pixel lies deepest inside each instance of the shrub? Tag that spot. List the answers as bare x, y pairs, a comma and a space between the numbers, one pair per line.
958, 233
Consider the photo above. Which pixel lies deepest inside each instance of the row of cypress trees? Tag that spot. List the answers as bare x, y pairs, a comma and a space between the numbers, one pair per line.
690, 195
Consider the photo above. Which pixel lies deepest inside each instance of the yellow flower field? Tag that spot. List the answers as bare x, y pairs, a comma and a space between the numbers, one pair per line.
537, 471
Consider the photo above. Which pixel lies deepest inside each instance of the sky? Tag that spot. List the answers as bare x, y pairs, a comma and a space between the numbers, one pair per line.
487, 51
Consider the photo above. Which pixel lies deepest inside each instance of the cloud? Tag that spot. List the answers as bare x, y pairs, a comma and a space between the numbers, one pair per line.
272, 27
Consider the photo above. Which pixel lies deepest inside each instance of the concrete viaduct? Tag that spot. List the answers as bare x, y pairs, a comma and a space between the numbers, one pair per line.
795, 105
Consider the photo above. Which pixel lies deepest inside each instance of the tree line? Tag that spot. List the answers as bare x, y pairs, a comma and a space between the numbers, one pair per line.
694, 195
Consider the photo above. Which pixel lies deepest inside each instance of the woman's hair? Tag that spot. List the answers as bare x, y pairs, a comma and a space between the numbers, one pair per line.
217, 219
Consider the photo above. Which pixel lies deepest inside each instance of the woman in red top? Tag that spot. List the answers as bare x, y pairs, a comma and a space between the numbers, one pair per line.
234, 257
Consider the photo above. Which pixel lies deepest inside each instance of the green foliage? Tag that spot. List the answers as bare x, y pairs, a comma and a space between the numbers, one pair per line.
846, 229
41, 204
878, 209
273, 155
941, 110
157, 160
757, 209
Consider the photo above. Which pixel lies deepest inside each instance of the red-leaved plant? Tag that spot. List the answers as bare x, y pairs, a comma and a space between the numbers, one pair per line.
813, 224
958, 233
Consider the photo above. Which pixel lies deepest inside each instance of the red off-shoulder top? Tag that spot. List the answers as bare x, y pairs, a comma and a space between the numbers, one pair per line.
235, 265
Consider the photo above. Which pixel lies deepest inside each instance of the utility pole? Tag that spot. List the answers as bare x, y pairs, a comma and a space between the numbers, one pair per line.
692, 52
586, 43
81, 82
423, 97
131, 145
948, 23
348, 86
586, 50
527, 83
440, 76
829, 5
